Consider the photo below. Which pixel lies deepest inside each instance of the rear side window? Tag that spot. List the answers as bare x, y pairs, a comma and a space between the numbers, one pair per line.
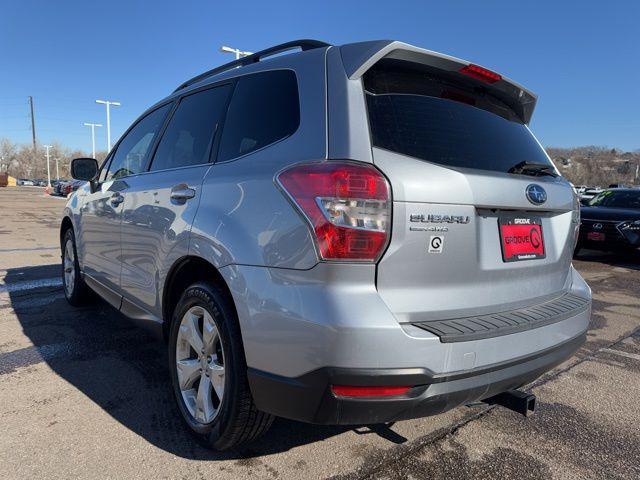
415, 113
189, 136
132, 150
264, 109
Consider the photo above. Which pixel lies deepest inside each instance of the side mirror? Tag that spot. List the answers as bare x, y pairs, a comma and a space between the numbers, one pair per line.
84, 168
584, 202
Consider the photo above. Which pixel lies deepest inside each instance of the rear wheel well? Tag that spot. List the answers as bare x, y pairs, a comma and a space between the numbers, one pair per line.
185, 272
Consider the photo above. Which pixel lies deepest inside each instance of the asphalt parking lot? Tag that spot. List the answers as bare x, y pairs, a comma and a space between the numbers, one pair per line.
85, 394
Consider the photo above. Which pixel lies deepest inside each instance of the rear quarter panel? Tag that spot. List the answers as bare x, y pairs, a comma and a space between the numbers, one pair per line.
243, 217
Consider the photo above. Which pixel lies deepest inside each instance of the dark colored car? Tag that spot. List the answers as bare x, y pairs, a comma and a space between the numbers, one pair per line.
56, 185
611, 221
72, 186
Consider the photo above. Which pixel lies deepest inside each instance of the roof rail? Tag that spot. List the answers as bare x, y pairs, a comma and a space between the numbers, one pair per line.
255, 58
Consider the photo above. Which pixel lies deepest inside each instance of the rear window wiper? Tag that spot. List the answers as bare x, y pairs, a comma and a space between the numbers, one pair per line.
531, 168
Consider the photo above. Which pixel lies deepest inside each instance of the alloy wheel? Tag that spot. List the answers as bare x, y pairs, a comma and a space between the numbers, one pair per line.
200, 364
69, 265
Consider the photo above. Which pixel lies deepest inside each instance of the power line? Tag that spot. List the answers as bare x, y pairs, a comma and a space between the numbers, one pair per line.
33, 124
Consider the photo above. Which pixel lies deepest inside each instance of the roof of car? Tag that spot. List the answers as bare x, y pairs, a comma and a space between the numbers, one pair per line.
359, 57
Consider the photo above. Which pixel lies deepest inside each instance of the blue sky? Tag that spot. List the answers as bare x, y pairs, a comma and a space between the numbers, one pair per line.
581, 57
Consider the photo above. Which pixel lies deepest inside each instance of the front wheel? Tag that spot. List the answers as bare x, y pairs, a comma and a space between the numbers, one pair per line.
75, 289
208, 370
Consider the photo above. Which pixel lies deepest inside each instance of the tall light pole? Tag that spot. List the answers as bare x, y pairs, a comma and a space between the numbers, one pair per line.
236, 51
48, 169
108, 103
93, 137
57, 171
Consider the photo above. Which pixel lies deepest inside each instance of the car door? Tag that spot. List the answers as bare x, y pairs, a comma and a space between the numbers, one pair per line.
160, 204
101, 213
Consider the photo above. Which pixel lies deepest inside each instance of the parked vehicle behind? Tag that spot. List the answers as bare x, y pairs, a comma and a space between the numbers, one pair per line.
611, 221
68, 188
342, 235
589, 192
58, 187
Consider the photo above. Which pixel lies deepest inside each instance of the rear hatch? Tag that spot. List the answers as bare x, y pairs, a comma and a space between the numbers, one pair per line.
481, 221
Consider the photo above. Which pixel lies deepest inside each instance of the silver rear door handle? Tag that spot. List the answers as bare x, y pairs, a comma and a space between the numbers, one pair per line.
116, 199
182, 192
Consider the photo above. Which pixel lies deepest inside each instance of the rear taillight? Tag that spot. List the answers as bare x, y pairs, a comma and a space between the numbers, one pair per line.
480, 73
347, 204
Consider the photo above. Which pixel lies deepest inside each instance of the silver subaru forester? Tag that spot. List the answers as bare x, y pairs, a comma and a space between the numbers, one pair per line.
350, 234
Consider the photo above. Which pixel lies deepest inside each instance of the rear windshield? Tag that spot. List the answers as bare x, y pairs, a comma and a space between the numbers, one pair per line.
416, 113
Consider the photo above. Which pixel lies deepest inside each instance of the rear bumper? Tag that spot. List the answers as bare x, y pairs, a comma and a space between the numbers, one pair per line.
306, 330
308, 398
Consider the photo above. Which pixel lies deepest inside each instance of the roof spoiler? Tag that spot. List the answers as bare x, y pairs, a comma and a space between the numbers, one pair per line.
357, 58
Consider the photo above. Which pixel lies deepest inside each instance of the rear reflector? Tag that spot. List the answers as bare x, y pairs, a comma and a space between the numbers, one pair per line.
357, 391
481, 73
347, 204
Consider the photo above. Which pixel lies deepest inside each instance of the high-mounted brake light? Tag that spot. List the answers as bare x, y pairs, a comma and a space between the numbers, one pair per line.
348, 206
358, 391
481, 73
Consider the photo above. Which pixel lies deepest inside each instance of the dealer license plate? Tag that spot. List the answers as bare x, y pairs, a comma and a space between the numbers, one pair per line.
521, 238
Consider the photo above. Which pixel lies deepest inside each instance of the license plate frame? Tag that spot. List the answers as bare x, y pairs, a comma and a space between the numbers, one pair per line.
521, 238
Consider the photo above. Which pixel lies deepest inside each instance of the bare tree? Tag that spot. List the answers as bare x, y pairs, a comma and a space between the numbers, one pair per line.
21, 161
594, 165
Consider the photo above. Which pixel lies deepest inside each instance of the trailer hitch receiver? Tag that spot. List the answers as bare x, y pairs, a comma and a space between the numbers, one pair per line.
516, 400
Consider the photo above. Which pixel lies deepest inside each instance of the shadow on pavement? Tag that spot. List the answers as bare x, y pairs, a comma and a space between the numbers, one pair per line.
124, 370
628, 259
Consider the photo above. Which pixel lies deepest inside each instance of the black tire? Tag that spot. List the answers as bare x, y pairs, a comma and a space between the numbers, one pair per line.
77, 294
237, 421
